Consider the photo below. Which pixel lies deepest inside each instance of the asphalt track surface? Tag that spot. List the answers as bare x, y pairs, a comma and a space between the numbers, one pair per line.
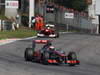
86, 46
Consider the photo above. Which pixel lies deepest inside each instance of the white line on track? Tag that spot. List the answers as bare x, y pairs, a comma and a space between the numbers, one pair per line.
7, 41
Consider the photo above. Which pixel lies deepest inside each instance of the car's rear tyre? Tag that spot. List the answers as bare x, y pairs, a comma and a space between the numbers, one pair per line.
57, 35
28, 55
45, 58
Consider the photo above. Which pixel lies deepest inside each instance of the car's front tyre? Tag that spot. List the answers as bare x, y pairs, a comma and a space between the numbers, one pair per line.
72, 57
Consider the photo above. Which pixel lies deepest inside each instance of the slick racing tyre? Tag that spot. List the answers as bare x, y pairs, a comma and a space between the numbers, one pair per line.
45, 58
28, 55
57, 35
72, 56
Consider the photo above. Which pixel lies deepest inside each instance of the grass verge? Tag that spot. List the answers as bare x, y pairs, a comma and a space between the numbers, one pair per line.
20, 33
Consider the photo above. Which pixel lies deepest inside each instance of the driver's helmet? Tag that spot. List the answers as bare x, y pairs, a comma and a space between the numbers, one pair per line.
52, 48
48, 27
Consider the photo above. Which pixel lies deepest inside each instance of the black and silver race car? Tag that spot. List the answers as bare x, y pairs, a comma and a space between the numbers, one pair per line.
48, 31
47, 54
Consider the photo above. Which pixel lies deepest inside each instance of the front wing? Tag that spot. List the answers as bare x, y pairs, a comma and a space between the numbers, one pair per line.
51, 35
53, 61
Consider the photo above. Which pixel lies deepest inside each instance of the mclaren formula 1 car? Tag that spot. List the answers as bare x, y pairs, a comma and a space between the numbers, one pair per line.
48, 31
47, 54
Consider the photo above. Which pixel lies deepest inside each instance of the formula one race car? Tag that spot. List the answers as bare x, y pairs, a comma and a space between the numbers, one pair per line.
49, 55
48, 31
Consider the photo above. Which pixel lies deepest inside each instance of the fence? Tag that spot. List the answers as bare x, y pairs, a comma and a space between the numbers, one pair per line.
80, 22
5, 25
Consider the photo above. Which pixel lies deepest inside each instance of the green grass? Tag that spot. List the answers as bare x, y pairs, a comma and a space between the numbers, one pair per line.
3, 17
20, 33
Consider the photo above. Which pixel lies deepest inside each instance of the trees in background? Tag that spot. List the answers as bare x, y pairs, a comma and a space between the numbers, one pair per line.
79, 5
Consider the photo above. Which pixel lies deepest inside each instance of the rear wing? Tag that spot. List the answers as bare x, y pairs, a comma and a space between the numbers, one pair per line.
41, 41
46, 42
